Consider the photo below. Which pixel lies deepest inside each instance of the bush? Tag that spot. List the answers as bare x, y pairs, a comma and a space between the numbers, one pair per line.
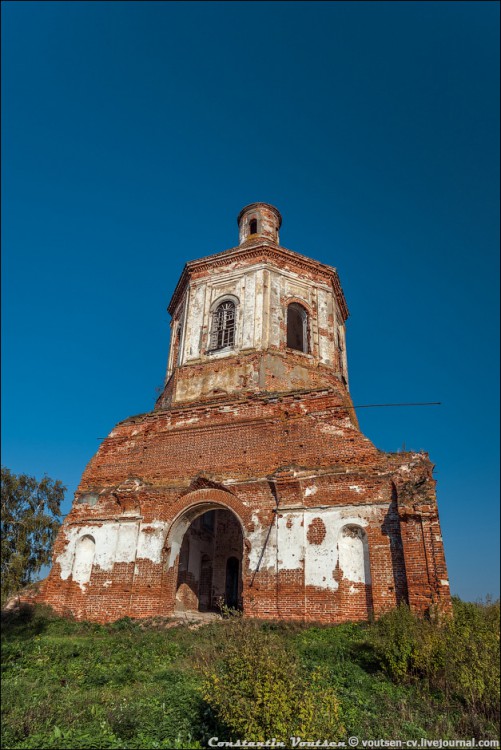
395, 638
258, 690
470, 658
458, 656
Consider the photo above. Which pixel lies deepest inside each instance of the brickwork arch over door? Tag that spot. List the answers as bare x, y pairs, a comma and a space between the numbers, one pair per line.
200, 543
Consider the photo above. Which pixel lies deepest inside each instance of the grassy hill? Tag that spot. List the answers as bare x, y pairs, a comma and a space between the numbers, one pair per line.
151, 685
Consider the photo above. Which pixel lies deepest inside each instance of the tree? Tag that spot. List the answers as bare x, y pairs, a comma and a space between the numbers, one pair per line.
30, 520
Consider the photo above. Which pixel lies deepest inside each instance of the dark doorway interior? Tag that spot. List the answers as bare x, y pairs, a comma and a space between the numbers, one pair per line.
232, 579
210, 563
205, 584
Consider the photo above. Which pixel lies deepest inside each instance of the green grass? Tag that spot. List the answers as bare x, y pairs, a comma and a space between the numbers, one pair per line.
129, 685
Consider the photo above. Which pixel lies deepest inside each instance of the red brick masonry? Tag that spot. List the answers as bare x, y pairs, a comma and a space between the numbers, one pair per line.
268, 459
250, 482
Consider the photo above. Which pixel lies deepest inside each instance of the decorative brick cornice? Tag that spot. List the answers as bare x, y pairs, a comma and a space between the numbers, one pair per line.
253, 250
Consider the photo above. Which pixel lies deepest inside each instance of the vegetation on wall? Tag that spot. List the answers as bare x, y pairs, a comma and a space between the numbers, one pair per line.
154, 685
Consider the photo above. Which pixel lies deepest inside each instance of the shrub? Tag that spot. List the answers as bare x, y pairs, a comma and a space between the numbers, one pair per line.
458, 655
258, 690
395, 638
469, 667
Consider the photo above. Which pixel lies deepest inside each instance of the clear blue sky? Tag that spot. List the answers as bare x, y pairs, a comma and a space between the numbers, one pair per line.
132, 135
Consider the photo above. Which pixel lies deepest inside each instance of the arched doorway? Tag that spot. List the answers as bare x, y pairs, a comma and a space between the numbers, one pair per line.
208, 566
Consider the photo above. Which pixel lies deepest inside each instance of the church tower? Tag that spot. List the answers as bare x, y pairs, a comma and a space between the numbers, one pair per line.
255, 318
250, 484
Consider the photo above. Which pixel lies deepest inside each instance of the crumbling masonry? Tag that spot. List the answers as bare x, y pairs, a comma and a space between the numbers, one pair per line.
250, 483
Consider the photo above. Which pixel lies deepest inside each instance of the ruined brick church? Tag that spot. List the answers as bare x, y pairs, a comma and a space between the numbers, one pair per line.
250, 483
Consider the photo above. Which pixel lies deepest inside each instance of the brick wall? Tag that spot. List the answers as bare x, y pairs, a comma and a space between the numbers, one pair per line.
291, 472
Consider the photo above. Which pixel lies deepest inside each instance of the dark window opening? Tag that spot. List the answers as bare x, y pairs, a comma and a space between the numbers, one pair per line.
208, 520
223, 326
253, 226
232, 578
297, 328
89, 499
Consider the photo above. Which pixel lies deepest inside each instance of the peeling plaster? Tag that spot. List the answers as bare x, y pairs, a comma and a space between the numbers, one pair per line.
261, 290
290, 541
151, 541
353, 554
319, 560
331, 429
127, 542
115, 542
105, 537
310, 491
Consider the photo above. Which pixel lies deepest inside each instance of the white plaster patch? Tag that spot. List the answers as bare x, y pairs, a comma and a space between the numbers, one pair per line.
105, 537
248, 311
444, 582
150, 541
127, 542
331, 429
125, 446
194, 322
352, 555
259, 545
356, 488
321, 559
290, 541
84, 559
325, 345
310, 491
276, 315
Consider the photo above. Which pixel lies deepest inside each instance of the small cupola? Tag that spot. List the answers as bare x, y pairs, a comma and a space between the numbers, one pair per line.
259, 220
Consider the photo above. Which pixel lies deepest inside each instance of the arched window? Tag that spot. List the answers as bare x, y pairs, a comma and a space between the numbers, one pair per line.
84, 559
253, 226
354, 554
223, 326
297, 328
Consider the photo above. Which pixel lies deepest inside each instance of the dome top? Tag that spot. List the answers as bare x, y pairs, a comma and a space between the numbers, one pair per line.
259, 220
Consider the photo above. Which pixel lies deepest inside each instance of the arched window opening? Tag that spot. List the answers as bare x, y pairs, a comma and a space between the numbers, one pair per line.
90, 498
253, 226
354, 554
297, 328
223, 326
177, 344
